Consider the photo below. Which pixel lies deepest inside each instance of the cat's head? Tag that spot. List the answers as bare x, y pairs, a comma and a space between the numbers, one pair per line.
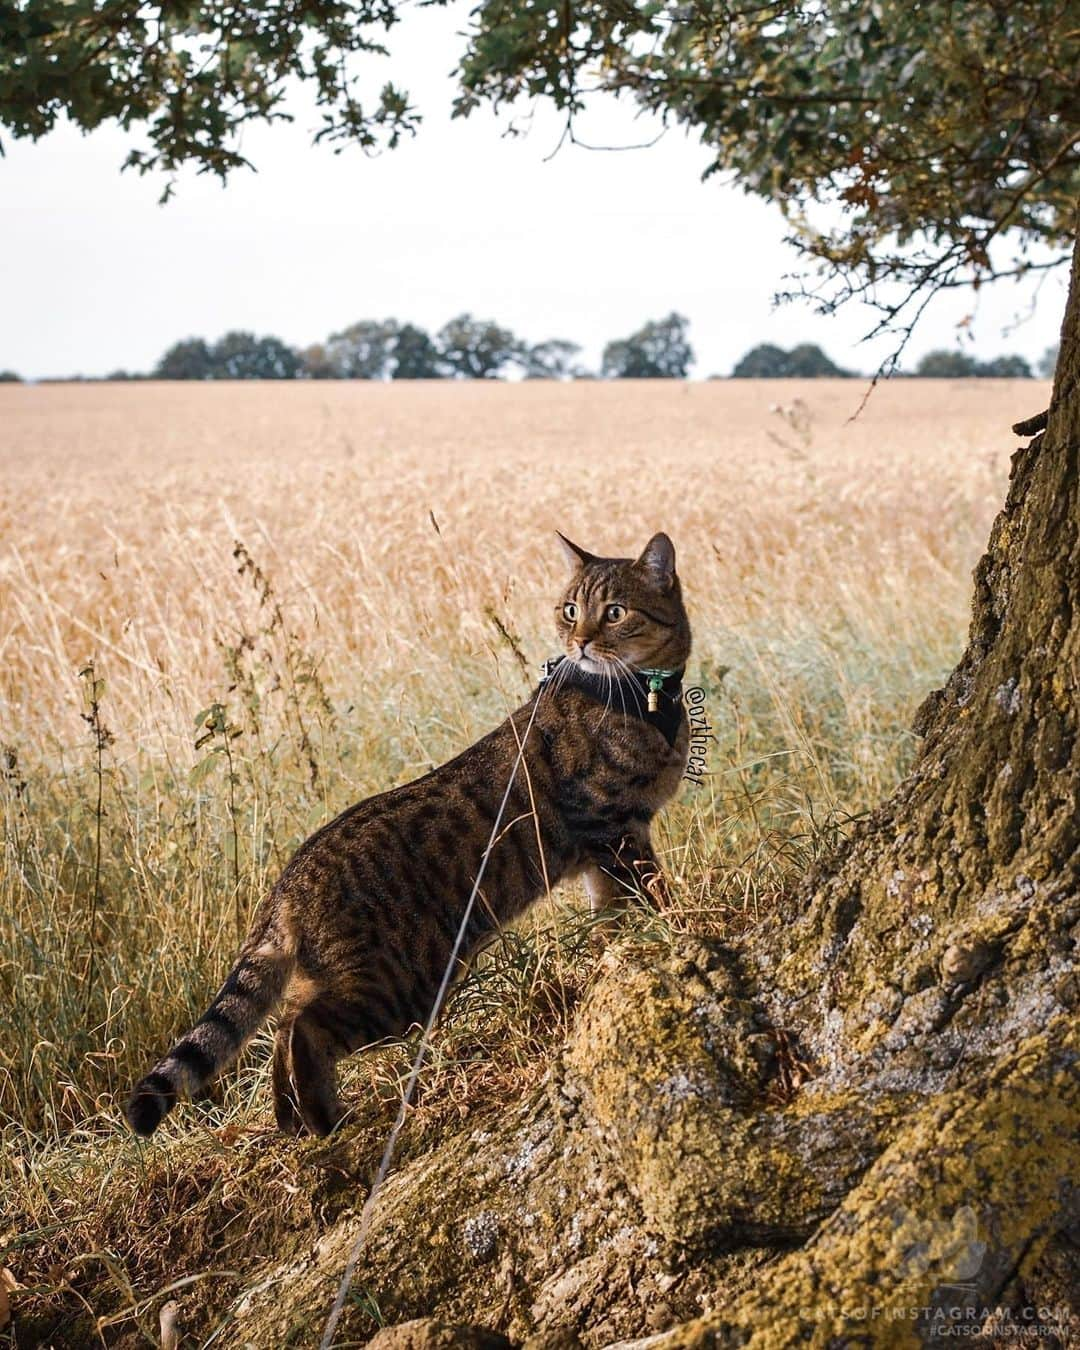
624, 612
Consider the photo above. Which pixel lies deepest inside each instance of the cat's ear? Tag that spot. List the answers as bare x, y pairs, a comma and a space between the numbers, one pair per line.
657, 561
576, 557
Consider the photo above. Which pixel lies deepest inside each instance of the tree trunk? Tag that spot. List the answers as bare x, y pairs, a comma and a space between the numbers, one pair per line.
970, 871
932, 962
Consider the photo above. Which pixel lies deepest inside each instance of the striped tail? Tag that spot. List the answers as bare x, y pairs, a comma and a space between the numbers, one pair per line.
251, 992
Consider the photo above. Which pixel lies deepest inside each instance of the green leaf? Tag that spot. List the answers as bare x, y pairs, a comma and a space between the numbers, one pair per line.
205, 767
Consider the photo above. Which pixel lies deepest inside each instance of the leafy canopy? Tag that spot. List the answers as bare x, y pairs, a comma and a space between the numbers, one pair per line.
192, 74
954, 365
476, 349
805, 362
363, 351
554, 359
659, 350
939, 126
415, 355
235, 356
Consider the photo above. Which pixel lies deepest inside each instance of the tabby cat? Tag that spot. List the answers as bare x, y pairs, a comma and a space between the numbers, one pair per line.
353, 940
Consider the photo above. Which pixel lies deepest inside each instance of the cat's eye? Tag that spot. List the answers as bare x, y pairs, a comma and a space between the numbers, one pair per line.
570, 611
614, 613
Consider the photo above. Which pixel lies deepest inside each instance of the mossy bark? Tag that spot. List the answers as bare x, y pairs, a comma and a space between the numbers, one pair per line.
954, 1214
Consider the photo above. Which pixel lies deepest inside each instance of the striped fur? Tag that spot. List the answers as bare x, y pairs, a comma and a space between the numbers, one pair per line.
251, 992
353, 940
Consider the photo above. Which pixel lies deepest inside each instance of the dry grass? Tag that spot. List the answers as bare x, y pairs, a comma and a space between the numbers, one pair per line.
345, 578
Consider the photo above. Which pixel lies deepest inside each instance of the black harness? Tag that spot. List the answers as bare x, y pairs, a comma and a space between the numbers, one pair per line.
623, 694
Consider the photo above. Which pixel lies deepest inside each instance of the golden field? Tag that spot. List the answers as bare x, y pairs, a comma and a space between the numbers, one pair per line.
121, 506
333, 586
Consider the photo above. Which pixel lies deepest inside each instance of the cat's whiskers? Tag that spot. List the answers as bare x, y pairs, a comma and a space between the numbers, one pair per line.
562, 673
615, 682
629, 683
618, 683
606, 672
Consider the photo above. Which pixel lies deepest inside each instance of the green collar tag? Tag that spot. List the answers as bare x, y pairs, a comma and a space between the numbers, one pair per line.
656, 680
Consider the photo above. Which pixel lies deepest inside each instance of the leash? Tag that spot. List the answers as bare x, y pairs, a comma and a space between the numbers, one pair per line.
421, 1052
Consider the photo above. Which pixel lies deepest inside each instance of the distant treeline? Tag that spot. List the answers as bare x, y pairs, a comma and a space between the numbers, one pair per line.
807, 362
464, 348
953, 365
478, 349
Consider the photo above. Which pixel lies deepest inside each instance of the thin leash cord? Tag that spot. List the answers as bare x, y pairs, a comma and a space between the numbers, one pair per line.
421, 1052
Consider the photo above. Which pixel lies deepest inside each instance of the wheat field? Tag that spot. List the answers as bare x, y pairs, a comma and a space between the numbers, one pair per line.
226, 611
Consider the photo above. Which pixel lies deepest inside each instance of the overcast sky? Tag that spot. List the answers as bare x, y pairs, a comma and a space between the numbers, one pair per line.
95, 275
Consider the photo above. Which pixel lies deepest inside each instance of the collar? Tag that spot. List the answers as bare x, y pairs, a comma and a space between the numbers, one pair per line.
652, 695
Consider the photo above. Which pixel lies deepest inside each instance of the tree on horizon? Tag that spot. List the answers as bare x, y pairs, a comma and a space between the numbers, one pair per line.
769, 362
415, 356
477, 349
659, 350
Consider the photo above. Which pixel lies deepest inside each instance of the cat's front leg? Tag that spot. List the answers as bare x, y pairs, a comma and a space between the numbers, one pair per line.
601, 889
621, 871
607, 905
